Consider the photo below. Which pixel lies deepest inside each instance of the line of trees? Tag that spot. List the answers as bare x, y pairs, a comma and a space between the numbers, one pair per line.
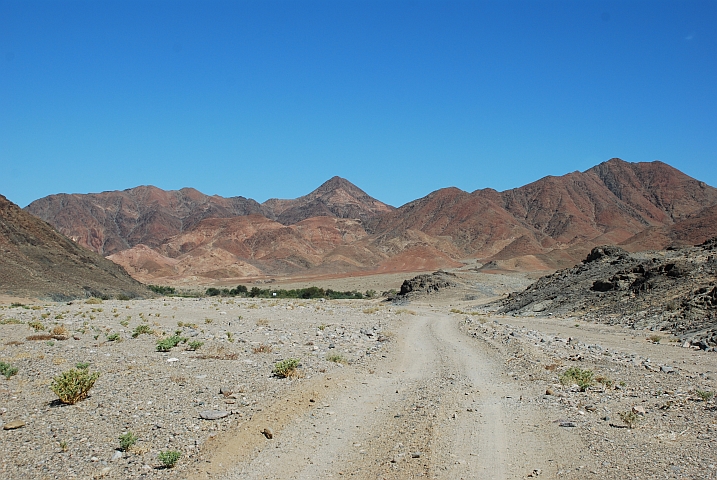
307, 293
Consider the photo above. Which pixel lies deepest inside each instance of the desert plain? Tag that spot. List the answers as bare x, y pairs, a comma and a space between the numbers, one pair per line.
426, 386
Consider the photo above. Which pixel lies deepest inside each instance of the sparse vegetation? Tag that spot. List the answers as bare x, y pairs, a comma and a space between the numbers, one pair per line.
37, 326
371, 310
113, 337
194, 345
167, 344
11, 321
73, 385
7, 370
630, 419
59, 331
336, 358
82, 365
306, 293
705, 395
576, 375
263, 348
169, 458
93, 301
654, 339
141, 329
286, 368
127, 440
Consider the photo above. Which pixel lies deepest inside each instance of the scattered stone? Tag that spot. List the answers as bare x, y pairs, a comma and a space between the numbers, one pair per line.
116, 456
536, 472
568, 424
639, 410
268, 433
416, 455
13, 425
667, 369
213, 414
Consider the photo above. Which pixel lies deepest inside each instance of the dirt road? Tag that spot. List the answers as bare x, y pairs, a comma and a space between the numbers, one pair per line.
439, 405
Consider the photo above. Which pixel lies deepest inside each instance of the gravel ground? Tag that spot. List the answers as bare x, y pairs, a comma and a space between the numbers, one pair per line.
159, 395
665, 390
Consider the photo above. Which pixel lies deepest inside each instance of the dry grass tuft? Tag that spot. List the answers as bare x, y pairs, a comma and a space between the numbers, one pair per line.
262, 322
262, 349
218, 352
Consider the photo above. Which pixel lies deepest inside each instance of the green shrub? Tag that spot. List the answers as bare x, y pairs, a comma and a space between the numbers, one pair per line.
194, 345
169, 457
629, 418
38, 326
127, 440
286, 368
141, 329
336, 358
162, 290
82, 365
704, 395
113, 337
7, 370
73, 385
583, 378
167, 344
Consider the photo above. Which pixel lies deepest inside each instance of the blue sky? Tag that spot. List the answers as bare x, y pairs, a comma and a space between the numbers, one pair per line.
271, 98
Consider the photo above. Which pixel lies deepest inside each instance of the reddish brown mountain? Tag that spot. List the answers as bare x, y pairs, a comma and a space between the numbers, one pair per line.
109, 222
335, 198
37, 261
550, 223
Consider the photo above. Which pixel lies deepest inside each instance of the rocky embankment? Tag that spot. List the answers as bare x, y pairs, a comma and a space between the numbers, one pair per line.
671, 290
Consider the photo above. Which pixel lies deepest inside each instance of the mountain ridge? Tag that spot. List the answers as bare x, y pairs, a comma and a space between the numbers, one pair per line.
551, 222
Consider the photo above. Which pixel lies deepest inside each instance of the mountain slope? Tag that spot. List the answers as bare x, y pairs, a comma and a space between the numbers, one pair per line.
336, 197
109, 222
37, 261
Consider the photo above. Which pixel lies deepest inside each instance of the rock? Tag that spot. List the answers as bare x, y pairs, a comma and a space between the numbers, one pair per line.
639, 410
416, 455
667, 369
116, 456
536, 472
13, 425
549, 391
568, 424
225, 391
213, 414
172, 360
268, 433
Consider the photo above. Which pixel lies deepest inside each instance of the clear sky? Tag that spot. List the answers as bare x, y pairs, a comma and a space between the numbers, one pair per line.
271, 98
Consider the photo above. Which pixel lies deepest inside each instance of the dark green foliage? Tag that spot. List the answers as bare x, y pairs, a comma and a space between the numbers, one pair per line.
306, 293
162, 290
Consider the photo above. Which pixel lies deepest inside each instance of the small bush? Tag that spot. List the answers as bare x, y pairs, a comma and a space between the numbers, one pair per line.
93, 301
583, 378
73, 385
194, 345
162, 290
141, 329
654, 339
286, 368
82, 365
11, 321
38, 326
113, 337
169, 458
7, 370
629, 418
167, 344
704, 395
336, 358
262, 349
127, 440
59, 331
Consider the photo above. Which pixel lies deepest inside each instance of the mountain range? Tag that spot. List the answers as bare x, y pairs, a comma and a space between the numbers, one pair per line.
184, 235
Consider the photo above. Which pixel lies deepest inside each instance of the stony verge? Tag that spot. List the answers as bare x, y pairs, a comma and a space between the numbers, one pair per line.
172, 400
640, 415
672, 290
